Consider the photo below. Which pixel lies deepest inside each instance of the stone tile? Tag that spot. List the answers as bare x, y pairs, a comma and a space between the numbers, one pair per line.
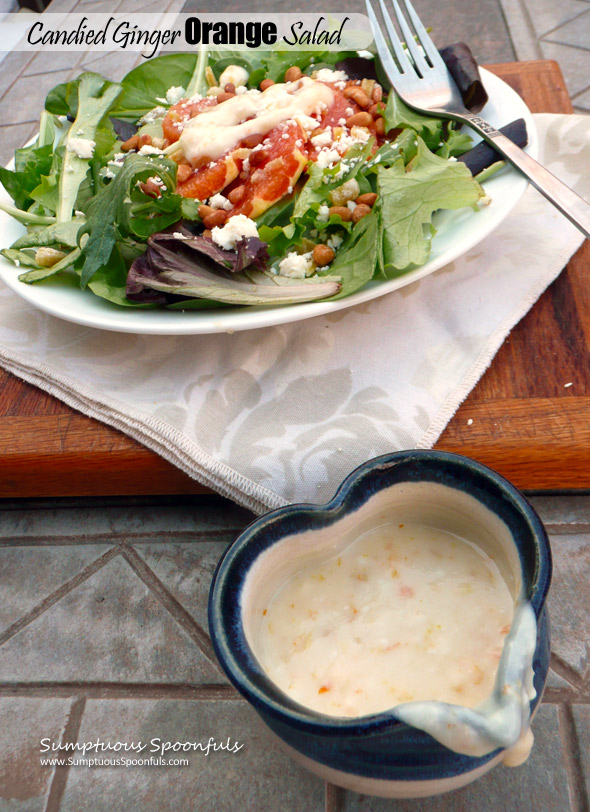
576, 32
547, 15
569, 599
112, 65
539, 784
51, 62
521, 31
12, 64
582, 102
36, 573
111, 628
186, 570
14, 136
215, 518
582, 722
556, 681
574, 64
26, 98
24, 782
258, 777
563, 510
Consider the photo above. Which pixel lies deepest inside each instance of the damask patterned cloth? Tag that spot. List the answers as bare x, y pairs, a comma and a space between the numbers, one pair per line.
282, 414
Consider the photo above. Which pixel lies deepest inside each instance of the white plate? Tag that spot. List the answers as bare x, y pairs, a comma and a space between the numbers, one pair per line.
457, 232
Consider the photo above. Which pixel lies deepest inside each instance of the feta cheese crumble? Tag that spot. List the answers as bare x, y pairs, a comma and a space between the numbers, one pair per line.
82, 147
295, 266
236, 228
174, 94
328, 75
218, 201
148, 149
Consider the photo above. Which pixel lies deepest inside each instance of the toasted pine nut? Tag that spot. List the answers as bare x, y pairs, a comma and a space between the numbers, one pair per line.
258, 157
221, 97
359, 212
360, 120
236, 194
230, 88
377, 93
251, 141
217, 218
293, 73
380, 126
150, 188
368, 199
207, 232
145, 140
266, 83
343, 211
183, 173
131, 143
323, 255
205, 211
358, 95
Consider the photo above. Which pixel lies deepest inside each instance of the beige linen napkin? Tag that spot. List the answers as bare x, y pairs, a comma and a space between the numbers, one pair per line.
282, 414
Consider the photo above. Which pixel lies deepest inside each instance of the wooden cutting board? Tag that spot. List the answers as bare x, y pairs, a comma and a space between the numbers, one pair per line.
526, 423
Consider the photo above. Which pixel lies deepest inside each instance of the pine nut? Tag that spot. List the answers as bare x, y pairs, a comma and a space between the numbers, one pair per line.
368, 199
358, 95
217, 218
360, 120
131, 143
266, 83
359, 212
251, 141
237, 194
323, 255
293, 73
342, 211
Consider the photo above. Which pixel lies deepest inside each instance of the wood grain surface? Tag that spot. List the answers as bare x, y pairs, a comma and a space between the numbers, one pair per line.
526, 424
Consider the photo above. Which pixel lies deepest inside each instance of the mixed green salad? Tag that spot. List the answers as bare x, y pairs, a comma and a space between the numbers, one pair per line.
114, 217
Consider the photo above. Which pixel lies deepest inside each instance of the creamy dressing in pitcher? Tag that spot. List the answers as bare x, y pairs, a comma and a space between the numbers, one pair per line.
406, 612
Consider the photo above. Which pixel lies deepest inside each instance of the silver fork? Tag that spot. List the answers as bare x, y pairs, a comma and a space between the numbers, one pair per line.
421, 78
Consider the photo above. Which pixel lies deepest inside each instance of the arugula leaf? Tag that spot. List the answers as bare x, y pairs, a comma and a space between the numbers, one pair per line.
56, 234
409, 197
398, 115
120, 210
356, 260
153, 78
95, 98
30, 165
62, 100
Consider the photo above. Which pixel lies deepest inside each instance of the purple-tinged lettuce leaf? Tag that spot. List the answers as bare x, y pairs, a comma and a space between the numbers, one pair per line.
249, 251
179, 273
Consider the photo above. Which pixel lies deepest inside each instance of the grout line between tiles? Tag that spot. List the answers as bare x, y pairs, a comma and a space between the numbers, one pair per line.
566, 672
59, 593
70, 736
169, 602
566, 45
571, 756
561, 25
180, 536
116, 690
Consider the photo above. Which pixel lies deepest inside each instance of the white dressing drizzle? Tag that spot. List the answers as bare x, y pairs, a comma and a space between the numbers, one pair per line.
217, 130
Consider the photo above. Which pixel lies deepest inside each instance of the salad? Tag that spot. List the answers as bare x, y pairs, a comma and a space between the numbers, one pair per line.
214, 179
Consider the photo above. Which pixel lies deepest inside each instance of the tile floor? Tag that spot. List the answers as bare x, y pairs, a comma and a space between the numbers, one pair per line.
103, 634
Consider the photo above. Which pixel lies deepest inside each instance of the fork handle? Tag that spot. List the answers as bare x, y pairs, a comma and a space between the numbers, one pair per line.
574, 207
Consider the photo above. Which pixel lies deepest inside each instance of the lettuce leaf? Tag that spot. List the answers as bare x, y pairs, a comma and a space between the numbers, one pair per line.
356, 260
409, 197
